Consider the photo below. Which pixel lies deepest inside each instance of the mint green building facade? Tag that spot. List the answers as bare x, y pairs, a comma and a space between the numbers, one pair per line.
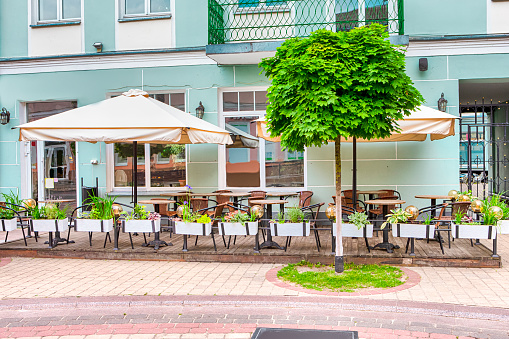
168, 52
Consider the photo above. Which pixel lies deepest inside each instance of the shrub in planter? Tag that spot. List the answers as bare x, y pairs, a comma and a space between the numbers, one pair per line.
194, 224
100, 217
358, 227
8, 221
141, 221
463, 227
238, 223
48, 218
291, 223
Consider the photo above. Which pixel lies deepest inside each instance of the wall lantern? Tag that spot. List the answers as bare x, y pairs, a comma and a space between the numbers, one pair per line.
5, 116
98, 46
200, 110
442, 104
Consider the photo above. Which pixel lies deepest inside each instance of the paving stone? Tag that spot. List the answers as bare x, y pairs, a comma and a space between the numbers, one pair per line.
327, 322
237, 316
117, 321
113, 316
141, 321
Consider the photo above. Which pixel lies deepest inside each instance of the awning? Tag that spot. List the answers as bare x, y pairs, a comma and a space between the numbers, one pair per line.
240, 138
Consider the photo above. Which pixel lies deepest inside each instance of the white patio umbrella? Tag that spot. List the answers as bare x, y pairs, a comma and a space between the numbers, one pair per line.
131, 117
416, 127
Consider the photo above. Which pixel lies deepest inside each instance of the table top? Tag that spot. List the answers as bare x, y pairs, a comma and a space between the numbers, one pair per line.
369, 192
174, 194
156, 201
56, 201
268, 202
282, 194
384, 202
431, 196
236, 194
206, 194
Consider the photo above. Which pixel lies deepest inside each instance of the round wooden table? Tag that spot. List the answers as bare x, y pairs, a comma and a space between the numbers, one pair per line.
236, 195
175, 194
282, 196
157, 242
433, 198
269, 243
385, 244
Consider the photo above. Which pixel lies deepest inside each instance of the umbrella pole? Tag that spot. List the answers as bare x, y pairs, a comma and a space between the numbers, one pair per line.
354, 178
135, 172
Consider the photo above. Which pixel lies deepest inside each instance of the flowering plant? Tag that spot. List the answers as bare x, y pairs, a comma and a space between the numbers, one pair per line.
139, 213
238, 216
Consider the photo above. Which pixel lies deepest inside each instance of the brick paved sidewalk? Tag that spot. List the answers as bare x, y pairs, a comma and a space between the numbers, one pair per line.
190, 317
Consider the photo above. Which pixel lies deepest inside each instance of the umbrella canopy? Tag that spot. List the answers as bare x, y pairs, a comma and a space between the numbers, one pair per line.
241, 139
130, 117
415, 127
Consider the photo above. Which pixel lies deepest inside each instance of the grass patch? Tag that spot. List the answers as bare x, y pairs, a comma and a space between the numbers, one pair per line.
355, 277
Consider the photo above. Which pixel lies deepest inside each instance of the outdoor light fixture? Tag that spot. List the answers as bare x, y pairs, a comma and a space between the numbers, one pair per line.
5, 116
442, 103
423, 64
98, 46
200, 110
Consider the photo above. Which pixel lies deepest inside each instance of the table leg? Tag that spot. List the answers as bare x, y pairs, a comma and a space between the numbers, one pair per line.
59, 239
385, 244
270, 243
157, 242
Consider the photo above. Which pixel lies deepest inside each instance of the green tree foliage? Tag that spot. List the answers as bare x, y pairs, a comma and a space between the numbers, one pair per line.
348, 84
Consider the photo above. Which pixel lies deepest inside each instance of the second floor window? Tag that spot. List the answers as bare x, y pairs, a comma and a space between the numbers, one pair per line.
256, 3
58, 10
145, 7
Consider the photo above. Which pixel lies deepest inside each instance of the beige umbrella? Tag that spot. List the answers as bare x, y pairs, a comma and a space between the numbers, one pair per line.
131, 117
415, 127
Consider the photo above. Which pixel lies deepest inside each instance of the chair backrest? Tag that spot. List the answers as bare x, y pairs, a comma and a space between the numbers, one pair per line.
258, 194
221, 199
348, 197
199, 203
222, 191
305, 198
460, 206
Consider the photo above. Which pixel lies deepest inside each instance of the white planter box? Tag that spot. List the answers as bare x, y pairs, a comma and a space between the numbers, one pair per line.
238, 228
503, 227
8, 225
289, 229
351, 231
142, 226
49, 225
192, 228
473, 231
93, 225
413, 231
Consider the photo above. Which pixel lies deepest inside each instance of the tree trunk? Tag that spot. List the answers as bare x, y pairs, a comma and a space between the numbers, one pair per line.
338, 260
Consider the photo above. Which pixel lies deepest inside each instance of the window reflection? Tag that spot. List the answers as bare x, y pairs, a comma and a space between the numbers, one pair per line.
242, 163
283, 168
48, 10
71, 9
124, 163
167, 165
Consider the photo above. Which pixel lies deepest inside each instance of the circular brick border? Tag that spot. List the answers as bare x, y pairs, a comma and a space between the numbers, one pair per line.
413, 278
5, 261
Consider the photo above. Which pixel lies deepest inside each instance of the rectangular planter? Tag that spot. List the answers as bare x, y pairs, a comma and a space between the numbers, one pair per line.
238, 228
93, 225
49, 225
142, 226
192, 228
473, 231
289, 229
7, 225
503, 227
351, 231
413, 231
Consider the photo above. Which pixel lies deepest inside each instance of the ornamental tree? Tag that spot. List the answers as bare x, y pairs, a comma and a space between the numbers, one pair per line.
335, 85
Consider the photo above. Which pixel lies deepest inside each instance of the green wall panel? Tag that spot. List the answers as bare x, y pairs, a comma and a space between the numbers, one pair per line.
202, 175
321, 173
249, 75
9, 152
326, 152
439, 149
191, 23
13, 28
99, 24
203, 153
437, 17
9, 178
479, 66
437, 68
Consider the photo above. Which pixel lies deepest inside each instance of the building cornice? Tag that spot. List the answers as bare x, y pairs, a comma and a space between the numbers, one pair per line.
458, 45
106, 60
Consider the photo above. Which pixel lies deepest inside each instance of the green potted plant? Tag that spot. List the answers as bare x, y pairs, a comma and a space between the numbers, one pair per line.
140, 220
401, 227
8, 220
192, 223
100, 217
464, 227
291, 223
503, 222
48, 218
238, 223
358, 226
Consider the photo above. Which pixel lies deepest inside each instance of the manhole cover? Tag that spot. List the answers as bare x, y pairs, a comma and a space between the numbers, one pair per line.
290, 333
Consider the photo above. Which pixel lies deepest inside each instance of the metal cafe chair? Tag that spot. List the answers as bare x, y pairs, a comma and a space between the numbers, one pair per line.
313, 210
72, 224
5, 224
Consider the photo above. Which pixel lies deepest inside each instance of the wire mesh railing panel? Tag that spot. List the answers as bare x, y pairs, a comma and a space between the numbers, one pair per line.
247, 20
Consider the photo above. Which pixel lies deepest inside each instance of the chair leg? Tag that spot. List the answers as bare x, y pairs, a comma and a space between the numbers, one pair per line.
471, 243
407, 243
234, 239
441, 246
106, 238
6, 235
317, 240
224, 240
90, 238
257, 243
36, 235
229, 241
367, 244
109, 236
290, 242
213, 240
196, 241
131, 239
184, 246
287, 242
68, 234
24, 237
333, 244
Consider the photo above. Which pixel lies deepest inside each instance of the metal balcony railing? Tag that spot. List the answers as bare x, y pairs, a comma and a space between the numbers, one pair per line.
248, 20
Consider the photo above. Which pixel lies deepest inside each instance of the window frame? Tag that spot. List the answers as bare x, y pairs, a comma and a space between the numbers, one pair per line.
263, 7
147, 189
60, 18
145, 14
222, 148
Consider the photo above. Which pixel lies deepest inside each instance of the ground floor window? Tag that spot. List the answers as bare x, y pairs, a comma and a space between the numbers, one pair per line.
251, 161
